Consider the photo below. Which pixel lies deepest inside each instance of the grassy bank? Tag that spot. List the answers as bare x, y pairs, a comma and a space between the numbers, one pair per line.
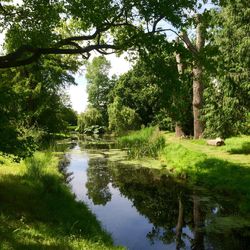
223, 169
37, 210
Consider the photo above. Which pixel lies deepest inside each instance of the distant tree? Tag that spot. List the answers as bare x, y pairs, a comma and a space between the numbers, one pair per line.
90, 117
99, 86
154, 90
122, 118
69, 116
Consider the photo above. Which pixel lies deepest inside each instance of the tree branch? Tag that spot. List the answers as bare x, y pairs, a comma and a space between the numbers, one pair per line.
32, 54
184, 37
156, 22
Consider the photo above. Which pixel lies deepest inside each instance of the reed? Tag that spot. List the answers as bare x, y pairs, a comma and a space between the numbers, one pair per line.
147, 142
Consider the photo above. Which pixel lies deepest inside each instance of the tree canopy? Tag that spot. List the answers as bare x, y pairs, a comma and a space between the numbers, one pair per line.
210, 52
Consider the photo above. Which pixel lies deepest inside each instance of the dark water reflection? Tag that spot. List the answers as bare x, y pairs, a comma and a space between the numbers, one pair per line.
145, 209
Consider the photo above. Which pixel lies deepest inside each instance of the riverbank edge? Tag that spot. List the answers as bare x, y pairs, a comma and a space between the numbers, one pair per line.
187, 160
38, 210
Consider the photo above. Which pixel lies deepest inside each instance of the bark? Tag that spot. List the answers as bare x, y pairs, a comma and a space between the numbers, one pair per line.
197, 100
178, 130
180, 67
197, 80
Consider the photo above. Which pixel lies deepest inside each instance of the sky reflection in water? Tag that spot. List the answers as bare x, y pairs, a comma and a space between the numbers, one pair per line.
143, 209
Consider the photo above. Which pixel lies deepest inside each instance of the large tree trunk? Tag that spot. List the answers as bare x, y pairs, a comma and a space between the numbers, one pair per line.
197, 79
197, 100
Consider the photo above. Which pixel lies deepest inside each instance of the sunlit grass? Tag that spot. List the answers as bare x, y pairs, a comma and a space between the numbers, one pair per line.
214, 167
37, 210
147, 142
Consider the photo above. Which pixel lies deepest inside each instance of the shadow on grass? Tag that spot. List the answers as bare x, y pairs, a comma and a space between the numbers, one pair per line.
42, 214
244, 149
226, 178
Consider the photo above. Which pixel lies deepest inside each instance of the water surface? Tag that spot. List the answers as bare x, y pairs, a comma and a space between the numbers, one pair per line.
146, 209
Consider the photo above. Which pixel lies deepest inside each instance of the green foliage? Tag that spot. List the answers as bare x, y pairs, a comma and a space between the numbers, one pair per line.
143, 143
94, 129
90, 117
139, 90
122, 118
32, 99
223, 113
40, 212
227, 103
163, 121
99, 86
69, 116
155, 91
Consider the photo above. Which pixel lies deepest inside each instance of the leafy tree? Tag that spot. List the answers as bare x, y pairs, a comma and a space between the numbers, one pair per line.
125, 25
122, 118
90, 117
32, 100
69, 115
87, 28
227, 95
99, 86
155, 91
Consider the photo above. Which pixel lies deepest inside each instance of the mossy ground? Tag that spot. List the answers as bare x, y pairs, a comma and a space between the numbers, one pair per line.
38, 211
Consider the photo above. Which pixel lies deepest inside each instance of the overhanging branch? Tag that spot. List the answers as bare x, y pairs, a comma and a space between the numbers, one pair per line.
32, 54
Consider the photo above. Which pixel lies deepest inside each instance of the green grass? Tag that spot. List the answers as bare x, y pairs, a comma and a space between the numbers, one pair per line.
223, 169
38, 211
147, 142
235, 151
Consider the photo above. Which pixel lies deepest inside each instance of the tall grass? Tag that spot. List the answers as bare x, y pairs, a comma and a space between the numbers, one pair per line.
147, 142
38, 164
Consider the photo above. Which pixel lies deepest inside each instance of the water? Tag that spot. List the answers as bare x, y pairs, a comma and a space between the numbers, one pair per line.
145, 209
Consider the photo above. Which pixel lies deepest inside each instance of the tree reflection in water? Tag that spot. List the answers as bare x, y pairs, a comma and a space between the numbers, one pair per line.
178, 213
98, 180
